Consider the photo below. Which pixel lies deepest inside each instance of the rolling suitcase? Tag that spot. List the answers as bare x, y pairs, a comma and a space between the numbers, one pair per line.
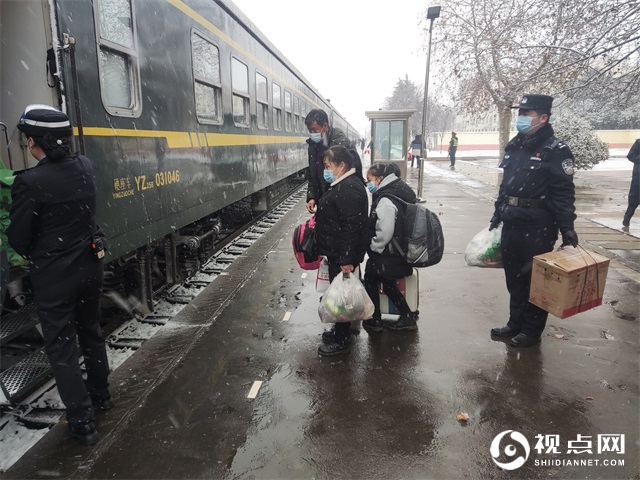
409, 288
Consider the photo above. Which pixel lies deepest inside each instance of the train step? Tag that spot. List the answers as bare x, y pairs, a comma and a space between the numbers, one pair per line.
21, 378
14, 324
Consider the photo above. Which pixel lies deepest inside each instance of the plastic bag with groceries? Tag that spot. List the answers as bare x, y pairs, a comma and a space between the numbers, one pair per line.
484, 249
345, 300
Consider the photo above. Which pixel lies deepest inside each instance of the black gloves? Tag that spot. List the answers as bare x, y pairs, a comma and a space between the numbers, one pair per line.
570, 237
494, 222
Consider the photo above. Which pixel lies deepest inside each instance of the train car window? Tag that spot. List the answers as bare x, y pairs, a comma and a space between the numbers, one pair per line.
296, 113
287, 111
240, 87
303, 115
277, 106
206, 77
118, 58
262, 113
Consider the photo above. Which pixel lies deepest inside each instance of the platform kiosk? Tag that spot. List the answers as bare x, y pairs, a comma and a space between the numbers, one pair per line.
390, 137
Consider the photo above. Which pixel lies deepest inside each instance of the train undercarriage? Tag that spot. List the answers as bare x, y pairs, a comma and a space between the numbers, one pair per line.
131, 284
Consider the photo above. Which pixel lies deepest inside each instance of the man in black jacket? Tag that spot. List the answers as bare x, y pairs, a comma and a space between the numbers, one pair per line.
536, 198
53, 225
322, 137
634, 191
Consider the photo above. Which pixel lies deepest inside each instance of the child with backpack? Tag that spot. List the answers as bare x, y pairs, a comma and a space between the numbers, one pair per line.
386, 264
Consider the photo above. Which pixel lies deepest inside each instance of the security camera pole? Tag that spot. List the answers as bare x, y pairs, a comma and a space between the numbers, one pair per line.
432, 14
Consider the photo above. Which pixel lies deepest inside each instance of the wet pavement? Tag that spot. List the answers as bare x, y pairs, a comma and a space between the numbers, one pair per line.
387, 410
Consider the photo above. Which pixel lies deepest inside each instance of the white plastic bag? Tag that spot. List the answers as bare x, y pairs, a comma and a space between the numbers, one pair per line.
322, 278
484, 249
345, 300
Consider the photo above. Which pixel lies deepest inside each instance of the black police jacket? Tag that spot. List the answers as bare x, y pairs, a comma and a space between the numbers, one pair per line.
341, 221
53, 215
545, 177
634, 156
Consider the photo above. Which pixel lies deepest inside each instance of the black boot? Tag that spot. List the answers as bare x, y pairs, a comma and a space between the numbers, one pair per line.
338, 347
102, 403
373, 325
505, 331
522, 340
85, 433
405, 322
329, 336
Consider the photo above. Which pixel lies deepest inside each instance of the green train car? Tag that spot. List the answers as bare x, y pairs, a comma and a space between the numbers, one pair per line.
183, 105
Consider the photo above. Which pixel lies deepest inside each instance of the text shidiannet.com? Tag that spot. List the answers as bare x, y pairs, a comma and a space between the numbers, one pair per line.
591, 462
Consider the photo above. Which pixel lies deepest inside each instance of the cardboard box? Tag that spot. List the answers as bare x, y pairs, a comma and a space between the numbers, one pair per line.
409, 288
568, 281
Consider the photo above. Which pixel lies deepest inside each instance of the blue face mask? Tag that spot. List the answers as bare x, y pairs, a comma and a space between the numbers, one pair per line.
372, 187
315, 137
523, 123
329, 176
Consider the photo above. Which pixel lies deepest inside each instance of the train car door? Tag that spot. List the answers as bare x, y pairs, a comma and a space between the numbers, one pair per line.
26, 36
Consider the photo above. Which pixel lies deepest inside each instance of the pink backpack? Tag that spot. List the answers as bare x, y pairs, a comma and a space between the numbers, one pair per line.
304, 245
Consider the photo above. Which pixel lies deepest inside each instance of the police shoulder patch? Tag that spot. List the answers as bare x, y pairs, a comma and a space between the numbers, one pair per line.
567, 166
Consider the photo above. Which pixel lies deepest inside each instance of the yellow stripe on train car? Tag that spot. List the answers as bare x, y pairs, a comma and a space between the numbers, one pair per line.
193, 139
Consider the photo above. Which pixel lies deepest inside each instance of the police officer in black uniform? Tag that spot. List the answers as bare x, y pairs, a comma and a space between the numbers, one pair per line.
53, 225
634, 190
536, 198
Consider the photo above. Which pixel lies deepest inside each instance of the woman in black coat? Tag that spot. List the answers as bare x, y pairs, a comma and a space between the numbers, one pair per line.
341, 223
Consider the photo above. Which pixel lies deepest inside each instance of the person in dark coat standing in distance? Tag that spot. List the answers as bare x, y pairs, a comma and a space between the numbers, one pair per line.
634, 190
416, 150
385, 264
321, 138
453, 148
53, 225
536, 198
341, 224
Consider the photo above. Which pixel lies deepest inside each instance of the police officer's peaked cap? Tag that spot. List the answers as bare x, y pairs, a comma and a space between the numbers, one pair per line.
539, 103
38, 120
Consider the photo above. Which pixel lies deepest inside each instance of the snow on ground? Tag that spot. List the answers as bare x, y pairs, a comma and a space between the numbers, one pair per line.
617, 158
15, 440
459, 178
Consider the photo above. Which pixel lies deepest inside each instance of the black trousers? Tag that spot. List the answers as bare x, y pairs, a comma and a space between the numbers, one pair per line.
342, 329
519, 245
634, 196
68, 306
4, 276
452, 156
389, 286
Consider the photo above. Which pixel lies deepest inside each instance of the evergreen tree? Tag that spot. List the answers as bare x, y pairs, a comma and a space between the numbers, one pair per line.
588, 150
406, 95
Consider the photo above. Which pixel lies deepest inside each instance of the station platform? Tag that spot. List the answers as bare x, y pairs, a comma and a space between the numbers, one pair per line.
386, 410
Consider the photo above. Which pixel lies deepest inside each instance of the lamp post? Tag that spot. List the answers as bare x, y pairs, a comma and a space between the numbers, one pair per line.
432, 14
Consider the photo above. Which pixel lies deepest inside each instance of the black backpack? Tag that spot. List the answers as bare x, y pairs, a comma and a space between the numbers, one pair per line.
421, 241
